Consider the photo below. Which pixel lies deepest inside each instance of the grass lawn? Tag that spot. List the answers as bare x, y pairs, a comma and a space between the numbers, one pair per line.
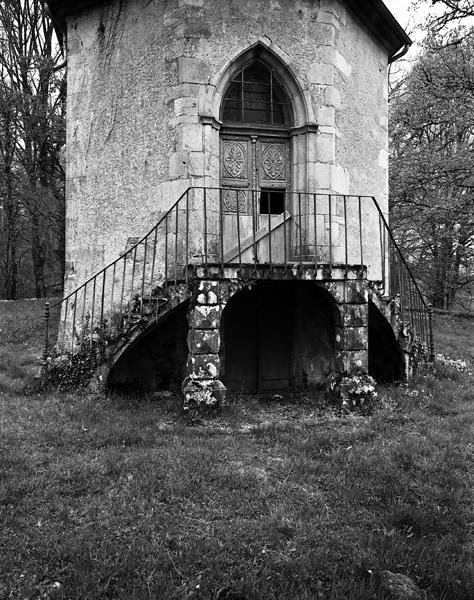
108, 498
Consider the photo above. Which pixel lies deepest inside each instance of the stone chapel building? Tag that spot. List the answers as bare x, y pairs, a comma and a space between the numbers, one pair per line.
227, 192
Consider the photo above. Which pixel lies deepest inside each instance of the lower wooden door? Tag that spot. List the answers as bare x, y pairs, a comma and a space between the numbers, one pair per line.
257, 341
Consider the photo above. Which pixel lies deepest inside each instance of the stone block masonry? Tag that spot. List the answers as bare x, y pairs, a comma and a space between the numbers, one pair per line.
204, 387
146, 89
144, 102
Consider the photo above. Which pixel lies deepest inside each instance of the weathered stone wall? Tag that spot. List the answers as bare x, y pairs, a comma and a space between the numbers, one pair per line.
144, 86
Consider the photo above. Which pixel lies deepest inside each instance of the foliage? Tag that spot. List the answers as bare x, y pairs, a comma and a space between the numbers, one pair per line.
117, 498
354, 392
432, 184
32, 136
419, 355
72, 371
452, 363
452, 12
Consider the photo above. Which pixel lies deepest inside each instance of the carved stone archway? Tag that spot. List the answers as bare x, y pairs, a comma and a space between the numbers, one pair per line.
301, 127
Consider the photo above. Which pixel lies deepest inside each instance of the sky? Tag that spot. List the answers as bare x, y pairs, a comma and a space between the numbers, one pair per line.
399, 9
409, 18
405, 15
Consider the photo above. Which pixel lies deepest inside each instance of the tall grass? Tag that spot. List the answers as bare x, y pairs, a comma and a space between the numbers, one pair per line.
118, 498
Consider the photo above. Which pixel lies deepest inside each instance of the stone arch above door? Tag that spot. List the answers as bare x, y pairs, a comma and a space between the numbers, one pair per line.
271, 55
302, 132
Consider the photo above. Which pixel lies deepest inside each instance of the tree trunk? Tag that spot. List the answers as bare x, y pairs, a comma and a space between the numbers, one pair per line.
38, 255
10, 237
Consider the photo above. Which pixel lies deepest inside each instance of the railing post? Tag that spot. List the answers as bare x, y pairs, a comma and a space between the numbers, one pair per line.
205, 228
382, 253
111, 299
92, 310
430, 325
221, 227
401, 289
155, 241
346, 250
122, 323
330, 231
315, 224
360, 235
73, 323
102, 301
63, 337
83, 316
176, 247
46, 336
143, 274
186, 260
239, 245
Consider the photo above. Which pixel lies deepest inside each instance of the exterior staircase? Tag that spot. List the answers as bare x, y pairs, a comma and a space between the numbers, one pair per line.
201, 253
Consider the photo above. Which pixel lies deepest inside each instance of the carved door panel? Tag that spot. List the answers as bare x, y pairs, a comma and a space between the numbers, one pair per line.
235, 161
254, 178
236, 180
273, 164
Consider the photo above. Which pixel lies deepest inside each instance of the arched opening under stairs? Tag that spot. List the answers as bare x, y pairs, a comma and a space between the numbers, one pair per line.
278, 335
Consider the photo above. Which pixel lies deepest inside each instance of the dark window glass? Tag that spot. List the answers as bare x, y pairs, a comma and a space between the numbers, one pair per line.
255, 95
272, 202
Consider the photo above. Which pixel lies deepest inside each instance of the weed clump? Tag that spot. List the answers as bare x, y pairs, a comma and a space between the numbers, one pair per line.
72, 371
353, 393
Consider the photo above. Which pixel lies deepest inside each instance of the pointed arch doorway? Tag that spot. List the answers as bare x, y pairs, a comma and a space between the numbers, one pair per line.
255, 174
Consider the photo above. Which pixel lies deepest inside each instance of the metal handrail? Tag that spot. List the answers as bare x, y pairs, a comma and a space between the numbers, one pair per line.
131, 249
315, 232
399, 251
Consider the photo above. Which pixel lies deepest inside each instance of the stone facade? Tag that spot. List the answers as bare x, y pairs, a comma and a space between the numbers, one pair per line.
350, 332
146, 87
145, 84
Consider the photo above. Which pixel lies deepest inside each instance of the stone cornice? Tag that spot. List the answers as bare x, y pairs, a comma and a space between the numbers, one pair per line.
207, 120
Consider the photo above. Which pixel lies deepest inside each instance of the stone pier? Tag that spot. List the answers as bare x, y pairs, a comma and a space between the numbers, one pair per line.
204, 385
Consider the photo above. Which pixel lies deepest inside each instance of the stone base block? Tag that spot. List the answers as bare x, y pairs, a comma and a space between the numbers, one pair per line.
202, 394
352, 363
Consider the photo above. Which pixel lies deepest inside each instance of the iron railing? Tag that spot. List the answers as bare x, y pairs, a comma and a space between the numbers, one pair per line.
218, 227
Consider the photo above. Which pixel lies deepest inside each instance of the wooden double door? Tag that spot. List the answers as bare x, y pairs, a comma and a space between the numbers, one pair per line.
255, 178
257, 339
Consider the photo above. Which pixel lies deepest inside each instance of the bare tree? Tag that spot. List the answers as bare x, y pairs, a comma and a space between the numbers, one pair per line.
9, 205
454, 11
33, 93
432, 177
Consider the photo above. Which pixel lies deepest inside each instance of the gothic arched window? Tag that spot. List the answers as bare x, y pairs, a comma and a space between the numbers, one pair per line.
256, 95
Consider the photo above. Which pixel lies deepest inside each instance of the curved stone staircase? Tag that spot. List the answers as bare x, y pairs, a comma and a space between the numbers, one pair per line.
185, 257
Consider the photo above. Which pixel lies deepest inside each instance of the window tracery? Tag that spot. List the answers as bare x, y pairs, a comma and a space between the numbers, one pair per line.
256, 95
